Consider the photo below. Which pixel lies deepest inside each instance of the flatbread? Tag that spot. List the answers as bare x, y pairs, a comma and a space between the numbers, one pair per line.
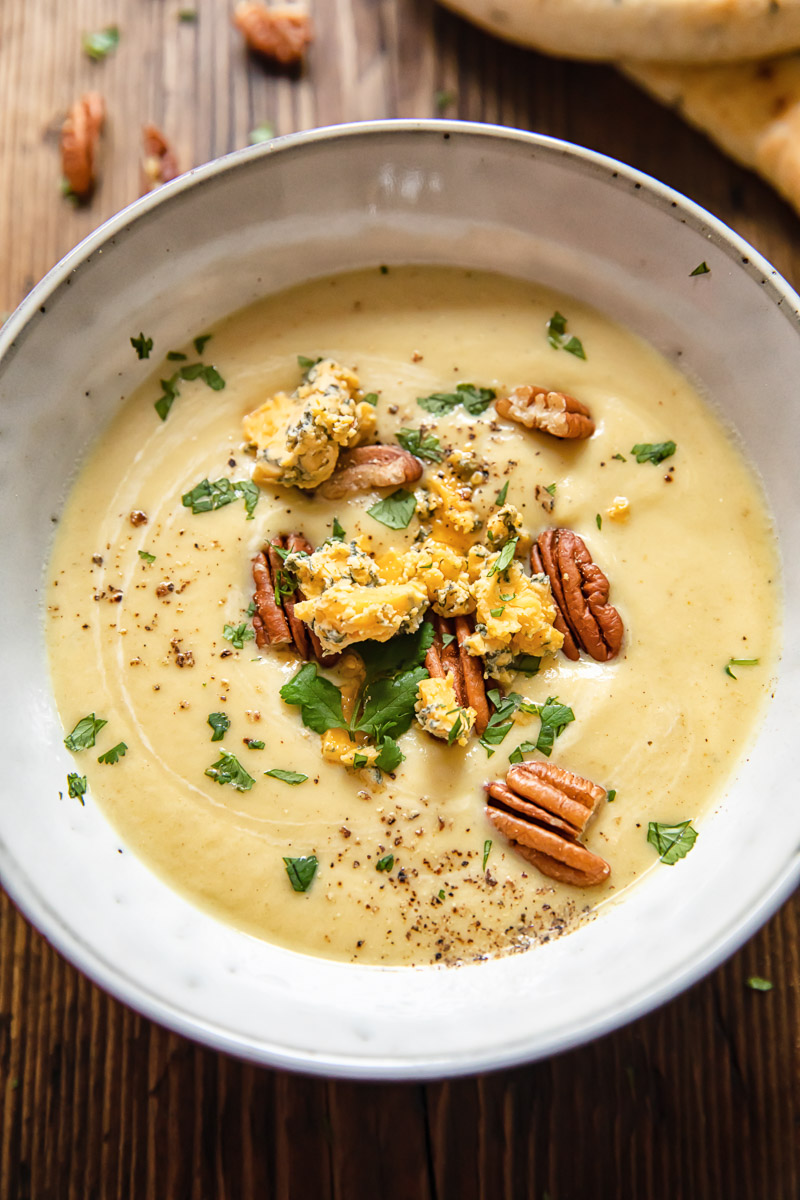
751, 110
686, 31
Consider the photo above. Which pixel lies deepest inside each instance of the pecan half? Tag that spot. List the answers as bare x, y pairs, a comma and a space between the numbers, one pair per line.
159, 164
279, 32
543, 809
453, 659
369, 467
79, 136
551, 412
274, 621
580, 590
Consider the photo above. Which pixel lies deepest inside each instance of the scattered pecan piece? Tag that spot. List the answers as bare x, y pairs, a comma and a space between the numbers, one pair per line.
79, 136
274, 621
368, 467
280, 32
580, 590
543, 809
467, 671
551, 412
159, 164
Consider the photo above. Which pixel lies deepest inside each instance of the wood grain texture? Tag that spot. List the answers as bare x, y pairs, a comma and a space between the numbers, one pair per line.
699, 1101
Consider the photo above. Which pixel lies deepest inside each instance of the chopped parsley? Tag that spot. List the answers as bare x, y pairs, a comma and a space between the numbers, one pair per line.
142, 345
263, 132
396, 511
502, 718
169, 394
501, 495
301, 871
206, 497
98, 45
253, 744
504, 559
671, 841
338, 534
759, 985
551, 489
422, 445
386, 863
554, 718
598, 520
557, 336
611, 795
169, 387
474, 399
220, 723
360, 760
654, 452
487, 848
701, 269
286, 776
84, 733
228, 769
455, 728
739, 662
76, 786
176, 356
305, 364
388, 705
621, 457
447, 638
526, 664
370, 398
114, 754
390, 755
319, 700
201, 341
146, 557
237, 635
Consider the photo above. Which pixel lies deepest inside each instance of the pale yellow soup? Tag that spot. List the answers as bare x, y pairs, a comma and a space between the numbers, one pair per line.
693, 572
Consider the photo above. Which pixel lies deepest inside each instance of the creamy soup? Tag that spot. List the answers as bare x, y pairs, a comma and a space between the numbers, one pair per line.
142, 589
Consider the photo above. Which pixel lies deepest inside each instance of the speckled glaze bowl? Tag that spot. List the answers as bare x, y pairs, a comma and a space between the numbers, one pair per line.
216, 239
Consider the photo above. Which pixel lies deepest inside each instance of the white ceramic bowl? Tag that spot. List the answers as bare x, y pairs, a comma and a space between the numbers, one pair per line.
203, 246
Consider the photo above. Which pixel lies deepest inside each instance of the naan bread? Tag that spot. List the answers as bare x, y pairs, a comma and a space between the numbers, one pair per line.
663, 30
752, 110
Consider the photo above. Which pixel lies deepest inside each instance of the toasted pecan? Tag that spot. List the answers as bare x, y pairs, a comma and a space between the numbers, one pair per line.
543, 809
79, 137
551, 412
580, 590
270, 624
159, 164
281, 32
452, 659
275, 622
367, 467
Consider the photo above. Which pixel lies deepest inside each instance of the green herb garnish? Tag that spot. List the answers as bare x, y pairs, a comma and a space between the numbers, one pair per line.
671, 841
556, 335
99, 45
187, 15
84, 733
621, 457
175, 356
390, 755
228, 769
170, 393
554, 718
444, 99
319, 700
76, 786
447, 638
504, 559
739, 662
386, 863
455, 728
253, 744
575, 346
396, 511
201, 341
370, 398
301, 871
598, 520
389, 705
142, 345
237, 635
305, 364
286, 776
220, 723
654, 452
526, 664
360, 760
474, 399
502, 718
759, 985
701, 269
611, 795
501, 495
114, 754
206, 497
146, 557
423, 446
487, 847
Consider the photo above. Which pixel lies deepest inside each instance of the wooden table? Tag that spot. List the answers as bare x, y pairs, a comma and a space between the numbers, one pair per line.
700, 1099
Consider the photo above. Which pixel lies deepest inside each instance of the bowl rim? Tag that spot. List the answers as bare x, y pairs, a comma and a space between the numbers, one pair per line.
80, 953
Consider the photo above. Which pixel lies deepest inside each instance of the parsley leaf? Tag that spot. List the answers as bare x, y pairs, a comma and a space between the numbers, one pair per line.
447, 638
654, 452
501, 495
389, 704
286, 776
76, 786
99, 45
526, 664
386, 863
148, 558
396, 511
502, 718
84, 733
759, 985
739, 662
142, 345
253, 744
474, 399
202, 341
455, 728
621, 457
263, 132
505, 557
237, 635
671, 841
400, 653
220, 723
487, 847
611, 795
701, 269
228, 769
557, 336
390, 755
338, 534
175, 356
413, 441
206, 497
575, 346
169, 395
305, 364
114, 754
301, 871
360, 760
598, 520
319, 700
370, 398
554, 718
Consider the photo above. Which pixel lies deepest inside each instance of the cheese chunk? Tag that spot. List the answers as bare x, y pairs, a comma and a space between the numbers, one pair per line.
514, 614
438, 711
346, 613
